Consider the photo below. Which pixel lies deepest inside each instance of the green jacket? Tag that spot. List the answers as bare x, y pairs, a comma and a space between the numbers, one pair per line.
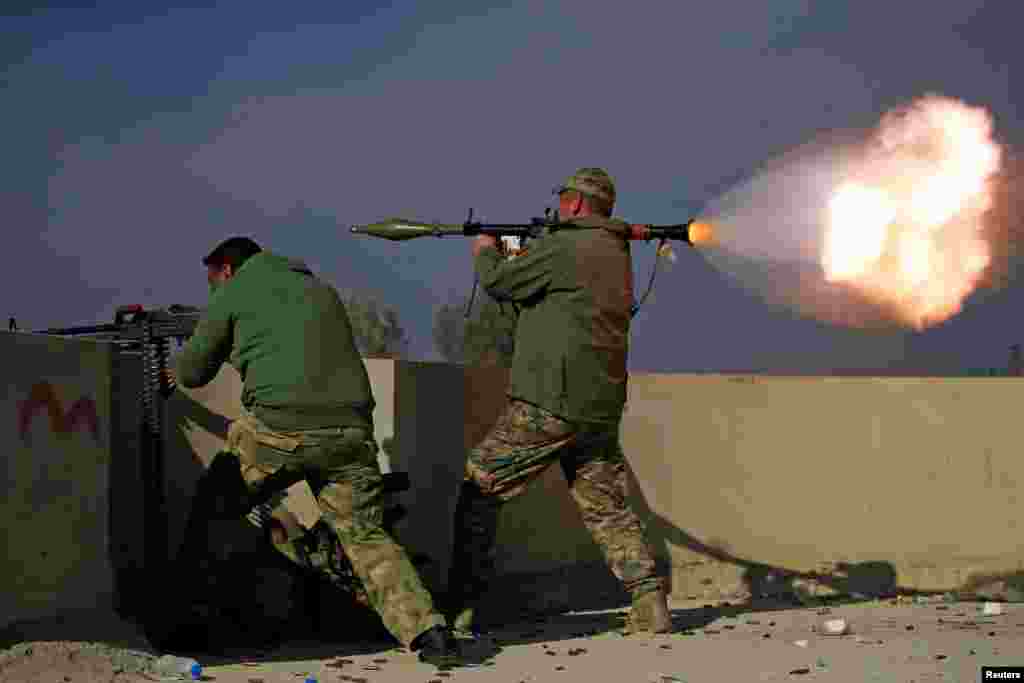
289, 336
574, 289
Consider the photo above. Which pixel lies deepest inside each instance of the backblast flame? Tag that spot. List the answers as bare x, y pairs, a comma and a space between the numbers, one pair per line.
701, 233
906, 229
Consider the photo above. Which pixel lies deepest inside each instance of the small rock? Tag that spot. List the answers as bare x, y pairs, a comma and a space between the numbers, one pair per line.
801, 671
972, 652
910, 627
992, 609
801, 643
834, 627
868, 641
559, 668
767, 635
665, 647
940, 657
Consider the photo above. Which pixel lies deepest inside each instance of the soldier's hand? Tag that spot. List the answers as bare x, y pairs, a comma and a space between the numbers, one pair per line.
169, 379
482, 242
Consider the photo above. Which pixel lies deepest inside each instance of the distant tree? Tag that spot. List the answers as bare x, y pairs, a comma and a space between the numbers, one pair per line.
486, 338
375, 326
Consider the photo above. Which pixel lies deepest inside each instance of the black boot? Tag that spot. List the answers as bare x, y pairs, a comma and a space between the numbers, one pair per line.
437, 646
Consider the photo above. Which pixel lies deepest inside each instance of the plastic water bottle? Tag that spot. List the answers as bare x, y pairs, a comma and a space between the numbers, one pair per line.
169, 665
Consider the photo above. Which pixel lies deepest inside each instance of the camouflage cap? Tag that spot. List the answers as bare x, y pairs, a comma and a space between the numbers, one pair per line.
592, 182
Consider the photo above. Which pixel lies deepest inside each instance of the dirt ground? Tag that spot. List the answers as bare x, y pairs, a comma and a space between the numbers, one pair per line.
886, 641
67, 662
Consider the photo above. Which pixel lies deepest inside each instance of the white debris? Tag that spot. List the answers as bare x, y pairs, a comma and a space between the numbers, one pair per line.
834, 627
800, 643
992, 608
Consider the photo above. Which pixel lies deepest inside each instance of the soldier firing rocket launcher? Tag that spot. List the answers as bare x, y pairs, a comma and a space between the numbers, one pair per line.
513, 236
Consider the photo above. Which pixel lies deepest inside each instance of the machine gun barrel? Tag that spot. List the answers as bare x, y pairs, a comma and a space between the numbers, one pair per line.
133, 324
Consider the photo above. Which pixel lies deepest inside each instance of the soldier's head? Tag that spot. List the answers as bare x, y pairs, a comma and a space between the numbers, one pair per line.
587, 192
223, 262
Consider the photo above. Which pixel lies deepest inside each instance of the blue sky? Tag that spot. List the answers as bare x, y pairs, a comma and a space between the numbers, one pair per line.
137, 137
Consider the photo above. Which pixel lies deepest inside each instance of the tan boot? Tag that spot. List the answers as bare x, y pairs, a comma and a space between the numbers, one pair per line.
650, 613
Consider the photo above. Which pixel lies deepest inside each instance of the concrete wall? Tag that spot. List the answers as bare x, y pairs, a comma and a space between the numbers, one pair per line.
837, 483
824, 484
56, 433
752, 485
917, 478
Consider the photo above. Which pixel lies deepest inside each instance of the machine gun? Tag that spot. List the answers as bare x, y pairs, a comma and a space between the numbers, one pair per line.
513, 236
136, 330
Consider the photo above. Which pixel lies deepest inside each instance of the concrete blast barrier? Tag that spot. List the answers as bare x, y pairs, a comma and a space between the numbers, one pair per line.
751, 485
872, 483
58, 422
746, 483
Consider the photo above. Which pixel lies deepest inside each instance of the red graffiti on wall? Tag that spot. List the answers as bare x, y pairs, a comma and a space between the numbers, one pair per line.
43, 397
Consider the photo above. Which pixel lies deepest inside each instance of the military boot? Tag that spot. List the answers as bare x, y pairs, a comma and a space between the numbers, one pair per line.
650, 613
436, 646
464, 623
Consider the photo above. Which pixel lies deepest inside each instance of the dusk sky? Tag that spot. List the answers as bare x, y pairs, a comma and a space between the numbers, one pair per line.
136, 138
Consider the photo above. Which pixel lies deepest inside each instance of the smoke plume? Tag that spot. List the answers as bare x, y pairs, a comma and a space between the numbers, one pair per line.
890, 227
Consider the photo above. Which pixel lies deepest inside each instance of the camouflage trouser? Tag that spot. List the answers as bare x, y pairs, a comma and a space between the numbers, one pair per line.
328, 481
523, 443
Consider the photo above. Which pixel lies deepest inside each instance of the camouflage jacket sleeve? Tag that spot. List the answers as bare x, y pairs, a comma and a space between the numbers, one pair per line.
210, 344
520, 278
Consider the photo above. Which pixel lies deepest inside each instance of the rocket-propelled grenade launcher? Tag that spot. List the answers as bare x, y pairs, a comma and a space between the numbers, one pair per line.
398, 230
513, 236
